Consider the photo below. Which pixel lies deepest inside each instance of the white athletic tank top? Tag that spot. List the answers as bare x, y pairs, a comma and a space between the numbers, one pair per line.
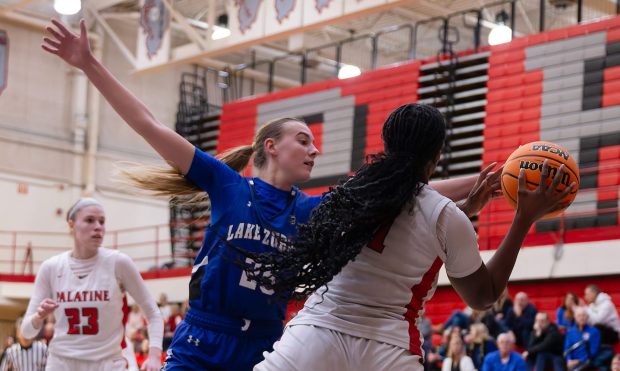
89, 318
381, 294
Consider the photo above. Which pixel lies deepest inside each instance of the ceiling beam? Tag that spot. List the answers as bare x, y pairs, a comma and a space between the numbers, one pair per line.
14, 6
195, 54
114, 37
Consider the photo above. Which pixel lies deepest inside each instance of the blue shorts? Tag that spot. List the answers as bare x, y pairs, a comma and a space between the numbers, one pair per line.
199, 347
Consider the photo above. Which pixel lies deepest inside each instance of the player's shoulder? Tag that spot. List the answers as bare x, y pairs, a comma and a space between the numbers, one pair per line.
106, 252
309, 200
54, 261
115, 256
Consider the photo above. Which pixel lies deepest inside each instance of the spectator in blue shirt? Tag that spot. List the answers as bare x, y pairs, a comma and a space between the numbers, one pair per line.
582, 341
505, 359
564, 316
520, 318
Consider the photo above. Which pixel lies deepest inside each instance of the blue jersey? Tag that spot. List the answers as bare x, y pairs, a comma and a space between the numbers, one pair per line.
252, 215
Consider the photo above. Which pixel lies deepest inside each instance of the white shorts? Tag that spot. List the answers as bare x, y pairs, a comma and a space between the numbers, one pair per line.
306, 348
56, 363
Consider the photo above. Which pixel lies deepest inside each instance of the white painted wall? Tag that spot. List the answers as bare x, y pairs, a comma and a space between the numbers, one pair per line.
42, 148
585, 259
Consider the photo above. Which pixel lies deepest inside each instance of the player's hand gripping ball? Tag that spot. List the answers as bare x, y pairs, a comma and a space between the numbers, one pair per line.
530, 157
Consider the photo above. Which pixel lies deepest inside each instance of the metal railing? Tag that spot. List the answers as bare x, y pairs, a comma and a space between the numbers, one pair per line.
330, 57
22, 252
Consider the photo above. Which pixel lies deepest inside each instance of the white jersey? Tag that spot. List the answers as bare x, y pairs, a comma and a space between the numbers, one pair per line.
90, 313
381, 294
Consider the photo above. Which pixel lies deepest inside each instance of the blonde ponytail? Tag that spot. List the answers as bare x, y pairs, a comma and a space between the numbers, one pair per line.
237, 158
169, 182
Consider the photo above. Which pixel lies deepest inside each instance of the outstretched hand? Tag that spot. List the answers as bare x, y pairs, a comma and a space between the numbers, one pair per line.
71, 48
544, 199
486, 187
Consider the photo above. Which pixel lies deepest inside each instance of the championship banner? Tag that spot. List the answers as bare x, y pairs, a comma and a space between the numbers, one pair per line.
153, 34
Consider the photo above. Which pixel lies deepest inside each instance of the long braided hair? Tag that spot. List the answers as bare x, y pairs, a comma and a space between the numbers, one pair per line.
350, 215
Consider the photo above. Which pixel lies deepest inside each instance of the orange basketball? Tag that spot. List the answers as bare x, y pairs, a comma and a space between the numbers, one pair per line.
531, 157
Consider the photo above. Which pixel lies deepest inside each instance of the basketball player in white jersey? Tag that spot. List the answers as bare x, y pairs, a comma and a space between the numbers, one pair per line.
85, 291
371, 252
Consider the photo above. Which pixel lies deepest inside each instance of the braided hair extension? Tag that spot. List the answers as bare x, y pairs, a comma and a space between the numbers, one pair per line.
350, 215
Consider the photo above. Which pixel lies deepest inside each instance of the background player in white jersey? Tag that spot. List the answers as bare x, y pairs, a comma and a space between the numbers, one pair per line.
85, 290
379, 240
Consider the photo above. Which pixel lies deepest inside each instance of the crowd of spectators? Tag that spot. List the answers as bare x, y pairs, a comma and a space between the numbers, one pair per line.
511, 335
515, 336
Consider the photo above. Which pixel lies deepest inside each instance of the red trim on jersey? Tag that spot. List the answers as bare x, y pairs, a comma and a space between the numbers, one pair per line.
125, 311
419, 292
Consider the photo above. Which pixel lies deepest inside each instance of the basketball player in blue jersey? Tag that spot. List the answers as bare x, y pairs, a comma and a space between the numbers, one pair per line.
231, 320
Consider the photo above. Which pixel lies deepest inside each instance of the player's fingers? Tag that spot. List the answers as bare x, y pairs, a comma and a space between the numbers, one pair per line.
496, 175
557, 179
522, 182
83, 33
55, 33
51, 42
542, 186
487, 169
565, 192
61, 27
49, 50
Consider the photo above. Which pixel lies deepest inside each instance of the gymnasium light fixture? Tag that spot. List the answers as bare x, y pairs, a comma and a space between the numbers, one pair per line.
348, 70
220, 33
67, 7
221, 30
501, 33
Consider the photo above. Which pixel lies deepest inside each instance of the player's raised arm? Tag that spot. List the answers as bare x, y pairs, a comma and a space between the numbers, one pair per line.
482, 288
75, 50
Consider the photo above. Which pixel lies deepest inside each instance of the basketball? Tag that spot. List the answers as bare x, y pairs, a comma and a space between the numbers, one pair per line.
531, 157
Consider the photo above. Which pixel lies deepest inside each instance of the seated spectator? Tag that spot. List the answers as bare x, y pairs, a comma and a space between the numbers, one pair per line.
489, 319
479, 343
445, 341
582, 342
603, 314
520, 318
504, 359
426, 330
615, 363
564, 316
458, 318
163, 305
24, 355
135, 321
502, 306
545, 346
170, 324
457, 360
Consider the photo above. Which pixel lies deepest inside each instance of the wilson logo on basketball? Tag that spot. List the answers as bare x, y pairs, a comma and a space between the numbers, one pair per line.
553, 150
529, 165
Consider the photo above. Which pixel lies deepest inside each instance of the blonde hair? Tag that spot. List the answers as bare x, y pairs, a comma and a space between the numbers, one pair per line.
450, 352
479, 332
170, 182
